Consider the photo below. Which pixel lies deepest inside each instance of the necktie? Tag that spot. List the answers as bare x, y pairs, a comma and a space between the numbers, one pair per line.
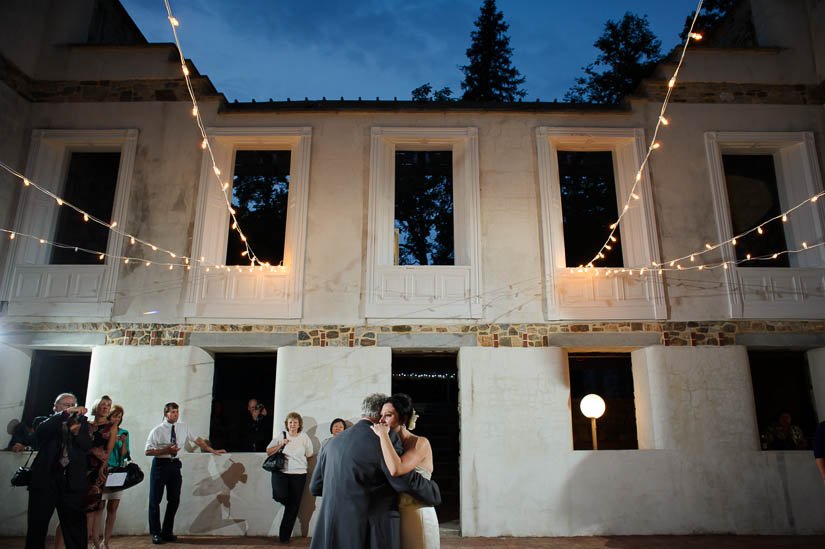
64, 445
174, 440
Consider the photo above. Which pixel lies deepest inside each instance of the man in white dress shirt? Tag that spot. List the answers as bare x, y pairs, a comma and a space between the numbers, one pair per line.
164, 443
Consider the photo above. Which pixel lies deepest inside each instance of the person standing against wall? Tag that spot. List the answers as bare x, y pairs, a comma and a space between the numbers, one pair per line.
288, 485
58, 474
164, 443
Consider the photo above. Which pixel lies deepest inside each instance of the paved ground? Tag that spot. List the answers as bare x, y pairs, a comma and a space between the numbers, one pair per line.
609, 542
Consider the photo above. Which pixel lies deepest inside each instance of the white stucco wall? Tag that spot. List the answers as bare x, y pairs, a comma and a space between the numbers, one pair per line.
14, 371
520, 476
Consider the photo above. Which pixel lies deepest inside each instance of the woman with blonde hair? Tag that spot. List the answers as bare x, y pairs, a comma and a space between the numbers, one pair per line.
117, 458
288, 484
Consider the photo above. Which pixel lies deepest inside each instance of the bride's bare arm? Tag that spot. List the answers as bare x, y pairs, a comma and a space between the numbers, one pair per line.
400, 465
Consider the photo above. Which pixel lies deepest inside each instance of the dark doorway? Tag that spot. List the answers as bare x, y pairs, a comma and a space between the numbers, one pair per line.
609, 375
240, 377
782, 384
431, 379
52, 373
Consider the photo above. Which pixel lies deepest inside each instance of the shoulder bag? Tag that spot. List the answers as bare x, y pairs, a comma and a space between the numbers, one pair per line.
23, 475
277, 461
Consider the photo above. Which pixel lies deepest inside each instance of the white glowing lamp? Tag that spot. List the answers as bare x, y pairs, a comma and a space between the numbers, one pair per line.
592, 406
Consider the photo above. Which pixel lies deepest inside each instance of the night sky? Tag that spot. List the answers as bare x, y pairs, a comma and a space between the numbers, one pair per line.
257, 49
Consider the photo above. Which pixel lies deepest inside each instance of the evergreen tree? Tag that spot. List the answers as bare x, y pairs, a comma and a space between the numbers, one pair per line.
490, 76
710, 15
630, 52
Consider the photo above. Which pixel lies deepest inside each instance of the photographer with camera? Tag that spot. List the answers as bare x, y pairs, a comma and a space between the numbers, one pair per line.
58, 474
258, 431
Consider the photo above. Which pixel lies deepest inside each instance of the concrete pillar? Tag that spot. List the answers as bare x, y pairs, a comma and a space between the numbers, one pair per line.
695, 399
14, 369
142, 380
515, 426
322, 383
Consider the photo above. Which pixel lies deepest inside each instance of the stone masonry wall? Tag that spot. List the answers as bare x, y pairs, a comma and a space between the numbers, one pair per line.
693, 333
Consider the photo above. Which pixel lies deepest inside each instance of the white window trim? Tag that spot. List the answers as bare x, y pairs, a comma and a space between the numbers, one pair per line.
429, 291
574, 295
237, 293
764, 292
32, 286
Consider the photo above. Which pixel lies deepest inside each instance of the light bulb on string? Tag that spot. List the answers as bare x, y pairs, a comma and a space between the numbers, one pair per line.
11, 237
85, 217
204, 144
759, 230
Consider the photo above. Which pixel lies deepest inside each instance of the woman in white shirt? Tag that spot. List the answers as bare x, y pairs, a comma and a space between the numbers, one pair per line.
288, 485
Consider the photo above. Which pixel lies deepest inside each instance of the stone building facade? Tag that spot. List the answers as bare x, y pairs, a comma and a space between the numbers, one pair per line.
337, 314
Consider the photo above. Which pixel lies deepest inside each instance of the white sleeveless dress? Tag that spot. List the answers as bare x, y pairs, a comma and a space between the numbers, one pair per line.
419, 524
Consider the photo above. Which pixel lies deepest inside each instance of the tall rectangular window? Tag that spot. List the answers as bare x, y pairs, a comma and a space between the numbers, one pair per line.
424, 207
260, 187
753, 197
588, 199
90, 185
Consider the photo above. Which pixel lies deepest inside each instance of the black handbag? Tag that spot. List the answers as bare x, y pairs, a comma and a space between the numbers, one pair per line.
23, 475
277, 461
134, 475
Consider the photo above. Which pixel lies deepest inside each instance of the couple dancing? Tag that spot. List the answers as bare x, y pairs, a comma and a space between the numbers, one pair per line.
372, 497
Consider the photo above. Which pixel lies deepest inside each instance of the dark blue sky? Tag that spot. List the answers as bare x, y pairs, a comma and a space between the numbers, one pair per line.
257, 49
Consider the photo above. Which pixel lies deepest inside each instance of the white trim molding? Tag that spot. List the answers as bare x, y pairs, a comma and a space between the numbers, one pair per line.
575, 295
32, 286
759, 292
239, 293
429, 291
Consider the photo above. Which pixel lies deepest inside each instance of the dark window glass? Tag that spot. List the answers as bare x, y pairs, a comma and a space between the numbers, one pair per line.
588, 204
431, 380
90, 185
52, 373
754, 198
239, 378
782, 385
611, 377
424, 207
260, 187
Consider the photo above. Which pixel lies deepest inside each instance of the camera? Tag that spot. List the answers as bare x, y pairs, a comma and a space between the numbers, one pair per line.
259, 406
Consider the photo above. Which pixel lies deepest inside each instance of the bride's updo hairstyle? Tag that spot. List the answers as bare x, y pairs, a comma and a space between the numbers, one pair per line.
403, 406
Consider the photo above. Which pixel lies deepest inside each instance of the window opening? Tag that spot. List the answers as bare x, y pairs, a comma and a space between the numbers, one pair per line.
753, 197
260, 187
238, 379
424, 208
90, 185
783, 395
588, 198
52, 373
609, 375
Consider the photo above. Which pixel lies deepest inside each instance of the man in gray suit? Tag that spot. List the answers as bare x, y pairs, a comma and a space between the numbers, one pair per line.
360, 505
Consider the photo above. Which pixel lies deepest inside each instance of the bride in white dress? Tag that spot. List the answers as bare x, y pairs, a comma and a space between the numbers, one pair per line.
419, 523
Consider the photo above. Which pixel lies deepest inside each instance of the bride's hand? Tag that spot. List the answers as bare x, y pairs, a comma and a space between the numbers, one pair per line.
380, 429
